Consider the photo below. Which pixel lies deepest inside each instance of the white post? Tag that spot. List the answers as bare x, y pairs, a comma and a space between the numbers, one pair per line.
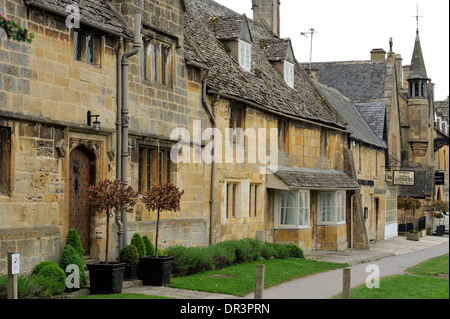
13, 268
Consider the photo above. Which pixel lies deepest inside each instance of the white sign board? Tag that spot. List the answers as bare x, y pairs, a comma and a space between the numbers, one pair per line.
15, 262
404, 178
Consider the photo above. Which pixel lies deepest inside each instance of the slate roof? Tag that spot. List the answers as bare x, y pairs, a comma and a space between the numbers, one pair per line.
264, 86
360, 81
98, 13
316, 179
228, 27
423, 185
374, 114
359, 129
417, 69
277, 49
442, 109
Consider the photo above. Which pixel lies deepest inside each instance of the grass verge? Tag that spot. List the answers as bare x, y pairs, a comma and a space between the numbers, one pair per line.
424, 281
120, 296
239, 280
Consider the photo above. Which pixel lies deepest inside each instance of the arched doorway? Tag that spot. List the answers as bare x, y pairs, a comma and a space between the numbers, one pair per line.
81, 175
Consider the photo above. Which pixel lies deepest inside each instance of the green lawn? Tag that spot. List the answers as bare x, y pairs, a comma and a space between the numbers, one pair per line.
424, 281
121, 296
239, 280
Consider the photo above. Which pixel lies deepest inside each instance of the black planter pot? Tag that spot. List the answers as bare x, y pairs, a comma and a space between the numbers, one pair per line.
106, 279
409, 226
155, 271
440, 230
131, 273
402, 228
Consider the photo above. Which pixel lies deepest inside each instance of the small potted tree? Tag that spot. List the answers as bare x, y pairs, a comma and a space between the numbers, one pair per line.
164, 197
439, 209
130, 255
107, 277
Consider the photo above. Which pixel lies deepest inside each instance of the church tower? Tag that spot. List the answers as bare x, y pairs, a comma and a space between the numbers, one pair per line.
420, 130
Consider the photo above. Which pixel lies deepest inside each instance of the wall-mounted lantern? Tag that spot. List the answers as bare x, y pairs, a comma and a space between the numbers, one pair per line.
96, 123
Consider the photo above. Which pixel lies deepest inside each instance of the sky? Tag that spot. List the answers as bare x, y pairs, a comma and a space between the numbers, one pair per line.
347, 30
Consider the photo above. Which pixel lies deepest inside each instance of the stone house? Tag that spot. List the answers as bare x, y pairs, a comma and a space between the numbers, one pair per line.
442, 147
373, 86
368, 152
255, 82
200, 82
398, 104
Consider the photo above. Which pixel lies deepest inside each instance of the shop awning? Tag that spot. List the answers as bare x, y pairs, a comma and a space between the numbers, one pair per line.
288, 178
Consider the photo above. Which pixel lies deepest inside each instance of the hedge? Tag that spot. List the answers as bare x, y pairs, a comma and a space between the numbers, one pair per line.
189, 261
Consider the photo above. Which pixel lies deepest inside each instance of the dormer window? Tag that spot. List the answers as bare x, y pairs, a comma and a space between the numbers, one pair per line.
245, 55
289, 73
281, 54
234, 33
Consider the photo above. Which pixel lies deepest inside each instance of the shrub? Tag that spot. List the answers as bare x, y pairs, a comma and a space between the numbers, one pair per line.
55, 273
43, 287
41, 265
220, 257
73, 239
189, 261
70, 256
296, 252
129, 254
149, 247
281, 251
138, 242
267, 251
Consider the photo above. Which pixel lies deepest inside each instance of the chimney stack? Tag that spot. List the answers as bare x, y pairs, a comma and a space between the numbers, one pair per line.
378, 54
267, 13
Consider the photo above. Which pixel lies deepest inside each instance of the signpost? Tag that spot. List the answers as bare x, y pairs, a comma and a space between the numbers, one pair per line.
13, 271
404, 178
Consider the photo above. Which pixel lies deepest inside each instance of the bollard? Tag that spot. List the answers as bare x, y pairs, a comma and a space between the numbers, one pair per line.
346, 283
259, 289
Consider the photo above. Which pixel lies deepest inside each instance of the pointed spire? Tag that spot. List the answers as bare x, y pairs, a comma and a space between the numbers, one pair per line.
417, 69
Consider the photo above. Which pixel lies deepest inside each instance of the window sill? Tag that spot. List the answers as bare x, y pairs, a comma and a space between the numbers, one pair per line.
279, 227
331, 224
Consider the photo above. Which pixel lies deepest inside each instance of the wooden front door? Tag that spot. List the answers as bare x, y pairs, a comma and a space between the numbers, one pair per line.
82, 175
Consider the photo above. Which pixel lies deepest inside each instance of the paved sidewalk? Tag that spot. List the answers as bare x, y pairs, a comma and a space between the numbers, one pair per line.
392, 256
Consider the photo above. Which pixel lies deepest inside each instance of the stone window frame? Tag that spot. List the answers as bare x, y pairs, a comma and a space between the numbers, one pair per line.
158, 170
284, 129
232, 199
160, 70
5, 161
302, 213
255, 199
236, 125
80, 51
338, 212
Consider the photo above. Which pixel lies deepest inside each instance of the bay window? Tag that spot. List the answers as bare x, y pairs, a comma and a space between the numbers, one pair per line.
294, 209
331, 208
